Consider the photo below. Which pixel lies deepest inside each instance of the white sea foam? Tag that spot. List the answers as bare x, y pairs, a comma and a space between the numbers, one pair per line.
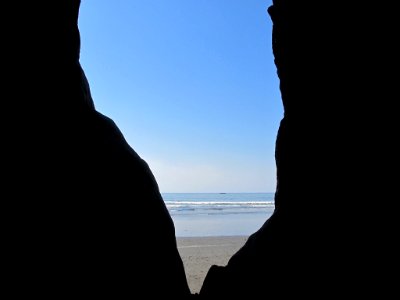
218, 214
214, 203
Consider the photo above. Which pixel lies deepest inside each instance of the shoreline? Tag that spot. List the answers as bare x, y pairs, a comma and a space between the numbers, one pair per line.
200, 253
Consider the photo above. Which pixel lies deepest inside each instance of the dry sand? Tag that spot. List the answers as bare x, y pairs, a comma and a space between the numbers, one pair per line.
199, 253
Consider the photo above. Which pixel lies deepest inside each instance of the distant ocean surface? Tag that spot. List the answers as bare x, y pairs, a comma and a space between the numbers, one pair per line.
218, 214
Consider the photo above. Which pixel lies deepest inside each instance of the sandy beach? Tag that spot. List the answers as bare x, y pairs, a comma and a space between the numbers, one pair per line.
199, 253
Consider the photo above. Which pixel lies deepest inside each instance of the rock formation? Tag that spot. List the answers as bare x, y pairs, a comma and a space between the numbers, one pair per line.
85, 215
82, 212
322, 239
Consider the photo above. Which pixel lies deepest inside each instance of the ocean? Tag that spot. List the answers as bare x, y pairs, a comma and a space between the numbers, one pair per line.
218, 214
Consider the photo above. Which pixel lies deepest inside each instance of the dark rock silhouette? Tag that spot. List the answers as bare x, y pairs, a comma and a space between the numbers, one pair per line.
85, 217
323, 239
82, 213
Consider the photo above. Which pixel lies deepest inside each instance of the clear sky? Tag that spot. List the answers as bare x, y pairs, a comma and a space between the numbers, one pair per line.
191, 84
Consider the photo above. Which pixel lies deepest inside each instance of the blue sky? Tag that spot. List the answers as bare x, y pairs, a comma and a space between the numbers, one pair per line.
191, 84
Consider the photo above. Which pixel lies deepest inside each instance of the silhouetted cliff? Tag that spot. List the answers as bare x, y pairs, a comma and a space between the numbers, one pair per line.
70, 180
324, 238
84, 214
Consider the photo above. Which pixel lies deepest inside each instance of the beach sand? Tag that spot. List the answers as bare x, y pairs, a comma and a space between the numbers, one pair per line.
199, 253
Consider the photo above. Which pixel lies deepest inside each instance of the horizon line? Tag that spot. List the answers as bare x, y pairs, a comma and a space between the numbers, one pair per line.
217, 192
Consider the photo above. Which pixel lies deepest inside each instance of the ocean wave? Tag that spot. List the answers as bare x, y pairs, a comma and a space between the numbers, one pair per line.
216, 204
